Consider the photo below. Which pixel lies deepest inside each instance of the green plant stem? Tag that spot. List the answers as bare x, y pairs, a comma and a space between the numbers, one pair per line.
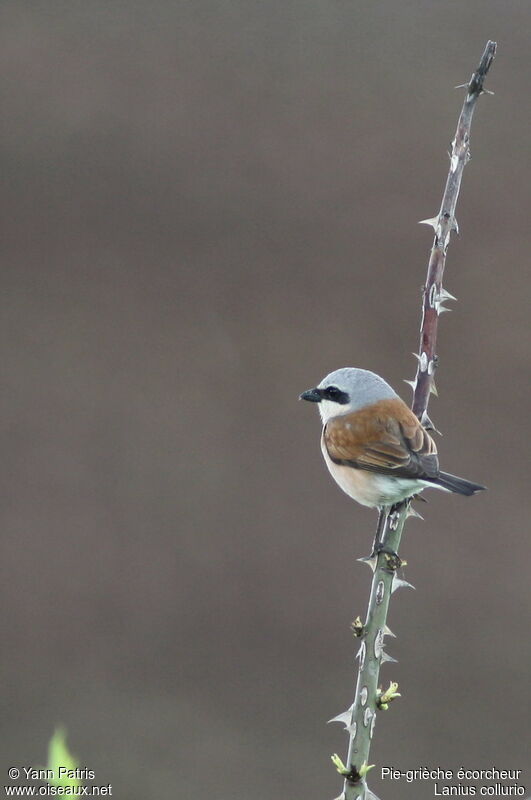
371, 654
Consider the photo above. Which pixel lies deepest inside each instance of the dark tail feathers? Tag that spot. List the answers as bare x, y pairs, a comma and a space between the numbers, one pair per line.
457, 485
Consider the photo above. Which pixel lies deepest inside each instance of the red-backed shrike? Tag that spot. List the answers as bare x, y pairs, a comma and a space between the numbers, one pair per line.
373, 445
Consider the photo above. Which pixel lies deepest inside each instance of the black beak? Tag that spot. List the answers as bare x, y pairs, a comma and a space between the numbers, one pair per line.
312, 396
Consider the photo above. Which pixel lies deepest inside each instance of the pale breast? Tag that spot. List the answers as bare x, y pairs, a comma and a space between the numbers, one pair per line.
369, 488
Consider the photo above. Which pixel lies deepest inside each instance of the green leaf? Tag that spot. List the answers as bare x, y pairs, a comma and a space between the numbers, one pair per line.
61, 761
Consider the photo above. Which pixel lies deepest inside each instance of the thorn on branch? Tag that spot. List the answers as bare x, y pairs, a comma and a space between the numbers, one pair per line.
445, 295
440, 298
399, 583
345, 718
412, 512
369, 560
379, 651
428, 424
432, 221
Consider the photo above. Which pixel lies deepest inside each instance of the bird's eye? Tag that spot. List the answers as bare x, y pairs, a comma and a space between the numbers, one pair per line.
335, 395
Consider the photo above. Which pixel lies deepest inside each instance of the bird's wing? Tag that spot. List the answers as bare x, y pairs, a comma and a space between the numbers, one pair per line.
385, 437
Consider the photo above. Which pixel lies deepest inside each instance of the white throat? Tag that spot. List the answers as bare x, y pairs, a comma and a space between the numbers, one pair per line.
329, 409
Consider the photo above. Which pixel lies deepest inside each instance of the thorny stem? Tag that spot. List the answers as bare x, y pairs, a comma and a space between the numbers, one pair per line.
361, 718
433, 294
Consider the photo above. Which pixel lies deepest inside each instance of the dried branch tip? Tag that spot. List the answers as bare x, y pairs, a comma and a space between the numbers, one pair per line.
475, 86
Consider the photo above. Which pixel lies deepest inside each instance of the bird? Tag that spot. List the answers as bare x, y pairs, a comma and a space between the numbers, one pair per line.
374, 446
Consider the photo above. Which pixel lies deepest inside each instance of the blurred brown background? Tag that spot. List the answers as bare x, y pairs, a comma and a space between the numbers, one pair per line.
206, 207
